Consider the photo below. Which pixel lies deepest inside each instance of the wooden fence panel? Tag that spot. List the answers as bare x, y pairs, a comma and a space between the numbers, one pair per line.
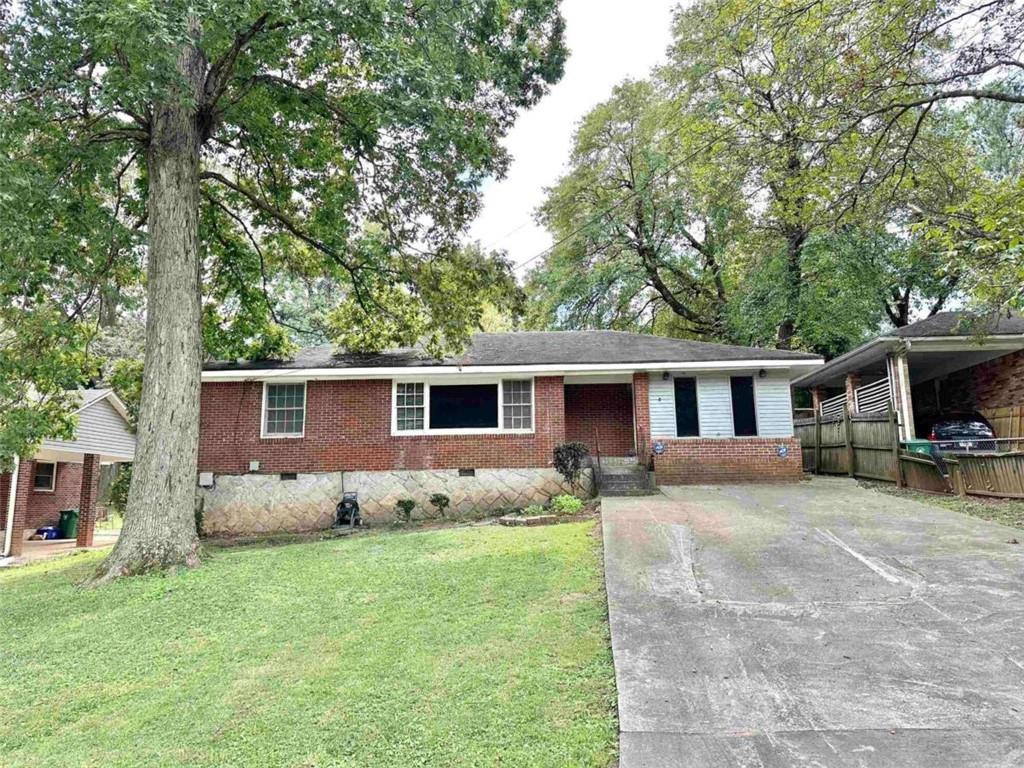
921, 473
993, 474
873, 442
1007, 422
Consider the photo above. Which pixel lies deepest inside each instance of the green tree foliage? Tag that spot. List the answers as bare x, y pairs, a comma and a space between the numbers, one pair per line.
730, 196
222, 144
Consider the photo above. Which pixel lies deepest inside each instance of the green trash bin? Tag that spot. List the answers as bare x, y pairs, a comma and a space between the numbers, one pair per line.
918, 446
68, 523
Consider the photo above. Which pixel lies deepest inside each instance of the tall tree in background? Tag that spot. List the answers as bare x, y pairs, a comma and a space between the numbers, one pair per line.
745, 143
244, 138
644, 221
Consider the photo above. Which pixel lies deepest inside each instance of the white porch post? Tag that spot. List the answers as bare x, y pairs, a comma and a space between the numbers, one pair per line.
900, 372
9, 509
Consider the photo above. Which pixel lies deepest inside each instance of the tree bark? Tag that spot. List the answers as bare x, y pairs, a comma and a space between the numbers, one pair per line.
159, 527
795, 239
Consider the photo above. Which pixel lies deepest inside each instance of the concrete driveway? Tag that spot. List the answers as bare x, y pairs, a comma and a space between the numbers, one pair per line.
818, 624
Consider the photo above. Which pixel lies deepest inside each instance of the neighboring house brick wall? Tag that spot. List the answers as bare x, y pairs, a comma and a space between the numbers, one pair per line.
601, 413
44, 507
998, 383
348, 427
727, 460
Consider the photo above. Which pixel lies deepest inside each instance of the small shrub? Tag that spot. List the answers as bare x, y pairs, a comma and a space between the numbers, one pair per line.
533, 510
440, 502
566, 505
403, 510
569, 459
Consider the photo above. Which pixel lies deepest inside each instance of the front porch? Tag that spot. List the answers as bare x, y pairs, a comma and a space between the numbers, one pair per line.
609, 414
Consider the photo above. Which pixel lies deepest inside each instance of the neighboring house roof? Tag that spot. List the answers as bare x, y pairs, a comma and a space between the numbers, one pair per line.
530, 348
103, 428
975, 338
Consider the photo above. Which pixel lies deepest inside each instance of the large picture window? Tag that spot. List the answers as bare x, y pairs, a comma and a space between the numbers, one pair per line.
744, 413
464, 406
495, 406
284, 413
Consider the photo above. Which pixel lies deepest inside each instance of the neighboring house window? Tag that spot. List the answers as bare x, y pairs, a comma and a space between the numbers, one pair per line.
284, 410
488, 407
744, 415
687, 422
517, 404
45, 476
410, 405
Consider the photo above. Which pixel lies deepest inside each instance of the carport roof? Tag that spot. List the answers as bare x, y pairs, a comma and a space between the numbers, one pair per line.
974, 337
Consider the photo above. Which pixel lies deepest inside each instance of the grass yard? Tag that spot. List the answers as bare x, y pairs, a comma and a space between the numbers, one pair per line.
483, 646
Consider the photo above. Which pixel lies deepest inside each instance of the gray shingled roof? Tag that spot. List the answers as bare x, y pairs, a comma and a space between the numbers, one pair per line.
532, 348
961, 324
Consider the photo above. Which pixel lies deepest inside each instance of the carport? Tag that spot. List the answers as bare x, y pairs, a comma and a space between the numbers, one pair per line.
950, 362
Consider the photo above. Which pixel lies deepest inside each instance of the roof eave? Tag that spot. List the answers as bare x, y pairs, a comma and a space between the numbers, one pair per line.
554, 369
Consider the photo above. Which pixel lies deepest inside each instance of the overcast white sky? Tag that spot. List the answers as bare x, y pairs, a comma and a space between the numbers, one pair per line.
609, 40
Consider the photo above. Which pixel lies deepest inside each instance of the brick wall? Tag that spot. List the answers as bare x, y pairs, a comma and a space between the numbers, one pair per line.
44, 508
642, 415
727, 460
998, 383
603, 411
348, 427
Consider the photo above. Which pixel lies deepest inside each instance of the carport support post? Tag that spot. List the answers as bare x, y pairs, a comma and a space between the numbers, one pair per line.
87, 500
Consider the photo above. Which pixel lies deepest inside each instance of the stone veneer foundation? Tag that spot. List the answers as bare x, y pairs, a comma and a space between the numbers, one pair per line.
264, 503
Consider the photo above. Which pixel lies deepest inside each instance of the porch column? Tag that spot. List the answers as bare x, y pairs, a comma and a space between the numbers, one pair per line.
23, 489
642, 416
852, 382
816, 398
87, 499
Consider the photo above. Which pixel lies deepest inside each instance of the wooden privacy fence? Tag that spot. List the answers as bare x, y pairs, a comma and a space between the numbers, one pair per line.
863, 445
867, 446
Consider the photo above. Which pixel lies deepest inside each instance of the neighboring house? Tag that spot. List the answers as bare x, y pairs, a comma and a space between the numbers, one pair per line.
280, 441
946, 364
64, 474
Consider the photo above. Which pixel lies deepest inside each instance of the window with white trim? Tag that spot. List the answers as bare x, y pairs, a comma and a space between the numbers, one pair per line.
284, 411
481, 407
44, 477
517, 403
410, 406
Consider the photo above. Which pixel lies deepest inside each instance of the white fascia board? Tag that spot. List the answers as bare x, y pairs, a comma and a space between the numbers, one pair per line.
965, 343
313, 374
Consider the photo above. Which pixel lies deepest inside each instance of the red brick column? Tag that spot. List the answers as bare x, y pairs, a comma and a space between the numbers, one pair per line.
26, 470
852, 383
87, 500
642, 416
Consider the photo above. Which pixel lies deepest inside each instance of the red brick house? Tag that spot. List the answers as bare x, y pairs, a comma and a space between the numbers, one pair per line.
281, 440
948, 363
64, 474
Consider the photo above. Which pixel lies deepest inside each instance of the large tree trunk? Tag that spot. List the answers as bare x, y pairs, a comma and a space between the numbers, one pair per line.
159, 527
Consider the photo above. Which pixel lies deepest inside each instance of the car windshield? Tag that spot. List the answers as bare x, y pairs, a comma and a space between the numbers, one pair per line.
962, 428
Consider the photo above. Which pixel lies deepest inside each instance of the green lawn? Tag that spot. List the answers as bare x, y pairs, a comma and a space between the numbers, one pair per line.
483, 646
